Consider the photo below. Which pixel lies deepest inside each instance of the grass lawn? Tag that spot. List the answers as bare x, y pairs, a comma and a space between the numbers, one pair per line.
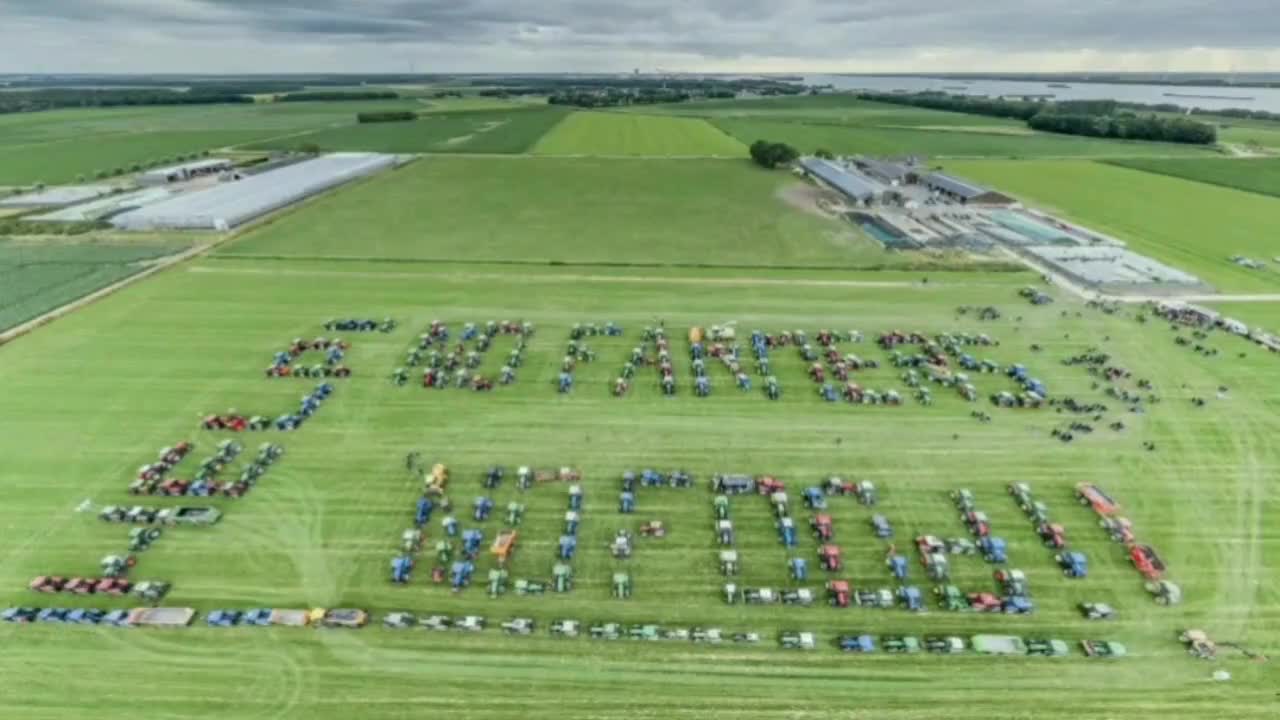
1252, 175
850, 139
513, 130
826, 109
1193, 226
61, 161
320, 528
568, 210
598, 133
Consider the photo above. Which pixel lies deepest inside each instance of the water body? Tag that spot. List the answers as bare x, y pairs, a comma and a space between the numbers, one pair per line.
1208, 98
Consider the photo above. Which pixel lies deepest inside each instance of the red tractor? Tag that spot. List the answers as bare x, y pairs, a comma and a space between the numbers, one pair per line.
768, 485
48, 584
654, 529
1053, 535
81, 586
984, 602
822, 527
829, 555
112, 586
1120, 529
853, 392
1147, 560
837, 485
817, 373
1094, 497
838, 593
977, 523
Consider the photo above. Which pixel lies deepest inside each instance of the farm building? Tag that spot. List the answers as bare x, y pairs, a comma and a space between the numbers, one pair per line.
1113, 268
857, 187
186, 171
102, 207
885, 171
56, 196
231, 204
964, 191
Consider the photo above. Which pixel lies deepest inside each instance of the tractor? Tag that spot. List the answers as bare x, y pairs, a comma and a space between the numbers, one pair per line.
114, 566
722, 507
575, 497
830, 558
444, 551
566, 628
963, 500
562, 577
1096, 611
471, 541
866, 492
780, 504
936, 566
814, 499
724, 532
1103, 648
984, 602
1164, 592
900, 644
1147, 561
1092, 496
621, 546
401, 567
797, 641
838, 593
911, 598
571, 521
702, 386
802, 597
1119, 529
729, 562
767, 485
857, 644
606, 631
622, 585
771, 388
828, 392
944, 645
1012, 582
929, 545
897, 565
1073, 564
799, 569
994, 549
649, 633
977, 522
787, 532
141, 538
760, 596
515, 514
493, 477
497, 582
1198, 644
822, 527
565, 382
518, 626
1052, 535
460, 574
951, 598
626, 503
1046, 647
961, 546
836, 485
529, 587
653, 529
411, 540
880, 525
568, 547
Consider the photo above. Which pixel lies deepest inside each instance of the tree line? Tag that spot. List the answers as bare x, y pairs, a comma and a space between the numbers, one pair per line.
16, 101
1093, 118
386, 116
337, 95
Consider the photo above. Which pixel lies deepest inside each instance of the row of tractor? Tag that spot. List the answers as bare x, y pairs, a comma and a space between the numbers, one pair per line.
360, 325
286, 363
1144, 557
112, 583
153, 479
864, 643
458, 367
1074, 564
233, 421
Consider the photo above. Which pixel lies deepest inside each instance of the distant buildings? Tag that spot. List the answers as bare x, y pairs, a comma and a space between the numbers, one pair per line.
963, 191
186, 171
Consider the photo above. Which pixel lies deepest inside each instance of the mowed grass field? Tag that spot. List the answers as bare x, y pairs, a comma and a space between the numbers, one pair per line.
64, 161
598, 133
578, 210
513, 130
319, 529
1190, 225
1260, 176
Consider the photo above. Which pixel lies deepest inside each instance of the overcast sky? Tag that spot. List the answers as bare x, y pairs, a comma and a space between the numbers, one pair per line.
234, 36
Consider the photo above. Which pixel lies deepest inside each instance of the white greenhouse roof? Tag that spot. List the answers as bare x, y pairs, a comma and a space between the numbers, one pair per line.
57, 196
229, 204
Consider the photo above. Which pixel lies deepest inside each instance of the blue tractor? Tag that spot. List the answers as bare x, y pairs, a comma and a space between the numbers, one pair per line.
224, 618
880, 524
85, 616
628, 481
258, 617
575, 497
911, 598
814, 498
787, 532
1017, 605
858, 643
828, 392
481, 507
566, 382
696, 351
627, 503
898, 566
471, 540
702, 386
450, 524
1073, 564
422, 513
994, 549
652, 478
401, 566
460, 575
744, 382
571, 520
1017, 372
568, 546
1036, 387
799, 569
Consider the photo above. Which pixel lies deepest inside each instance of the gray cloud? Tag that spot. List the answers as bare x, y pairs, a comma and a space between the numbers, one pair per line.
501, 35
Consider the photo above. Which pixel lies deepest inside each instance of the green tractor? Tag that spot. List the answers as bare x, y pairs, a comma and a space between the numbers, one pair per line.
562, 577
951, 598
444, 552
515, 514
530, 587
141, 538
497, 582
114, 566
622, 585
722, 507
644, 632
411, 540
900, 644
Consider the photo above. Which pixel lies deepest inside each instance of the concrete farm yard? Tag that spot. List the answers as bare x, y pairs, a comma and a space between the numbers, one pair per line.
637, 241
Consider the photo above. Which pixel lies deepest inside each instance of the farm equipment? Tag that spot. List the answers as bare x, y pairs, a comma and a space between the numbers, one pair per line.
798, 569
857, 643
1093, 496
865, 490
653, 529
411, 540
622, 585
141, 538
729, 562
936, 567
621, 546
1119, 529
401, 567
994, 549
493, 477
568, 547
760, 596
822, 527
1073, 564
1147, 561
787, 532
961, 546
900, 644
830, 557
515, 514
951, 598
1017, 605
566, 628
1097, 611
963, 500
802, 597
1047, 647
1052, 535
911, 598
529, 587
571, 521
944, 645
562, 577
724, 532
897, 565
797, 641
504, 545
626, 502
1103, 648
977, 523
984, 602
481, 507
575, 497
471, 541
721, 504
814, 499
460, 574
881, 526
1164, 592
838, 593
732, 484
1011, 582
497, 582
1198, 644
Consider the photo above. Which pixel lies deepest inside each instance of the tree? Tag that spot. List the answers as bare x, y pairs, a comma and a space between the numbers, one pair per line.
771, 155
309, 148
135, 167
824, 153
80, 178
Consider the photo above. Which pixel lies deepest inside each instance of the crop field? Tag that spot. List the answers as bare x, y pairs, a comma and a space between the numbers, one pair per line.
826, 109
63, 161
518, 209
1190, 225
964, 142
320, 528
474, 131
37, 277
597, 133
1260, 176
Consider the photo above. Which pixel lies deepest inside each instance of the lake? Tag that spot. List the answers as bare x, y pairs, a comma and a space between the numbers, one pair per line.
1219, 97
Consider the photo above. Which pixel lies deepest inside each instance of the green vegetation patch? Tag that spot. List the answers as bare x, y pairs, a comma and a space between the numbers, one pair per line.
1191, 226
569, 210
1258, 175
38, 277
808, 137
600, 133
828, 109
480, 131
65, 160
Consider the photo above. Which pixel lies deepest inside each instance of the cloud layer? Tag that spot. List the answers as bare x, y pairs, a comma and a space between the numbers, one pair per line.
617, 35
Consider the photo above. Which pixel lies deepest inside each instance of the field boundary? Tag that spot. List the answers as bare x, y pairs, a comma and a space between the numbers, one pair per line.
1001, 267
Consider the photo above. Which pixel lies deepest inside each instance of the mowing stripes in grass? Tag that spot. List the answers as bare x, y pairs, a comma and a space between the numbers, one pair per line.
610, 134
1257, 175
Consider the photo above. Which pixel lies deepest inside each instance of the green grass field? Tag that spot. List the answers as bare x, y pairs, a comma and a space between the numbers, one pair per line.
319, 529
474, 131
570, 211
966, 142
826, 109
597, 133
36, 277
62, 161
1260, 176
1193, 226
